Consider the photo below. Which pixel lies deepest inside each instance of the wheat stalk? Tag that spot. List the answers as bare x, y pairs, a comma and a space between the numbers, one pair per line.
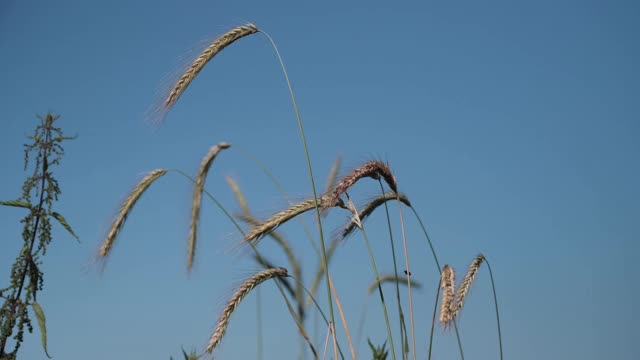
465, 285
196, 201
320, 271
242, 201
126, 207
244, 289
287, 214
447, 283
393, 279
373, 169
370, 207
198, 64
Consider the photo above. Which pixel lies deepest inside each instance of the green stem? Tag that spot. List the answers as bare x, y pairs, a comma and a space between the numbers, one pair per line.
395, 269
426, 234
235, 223
408, 269
495, 301
455, 326
384, 305
433, 319
259, 321
324, 317
435, 258
283, 192
313, 184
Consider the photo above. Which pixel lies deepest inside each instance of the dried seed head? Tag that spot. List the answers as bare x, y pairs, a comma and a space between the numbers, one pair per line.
447, 283
244, 289
465, 285
196, 201
126, 207
285, 215
373, 169
198, 64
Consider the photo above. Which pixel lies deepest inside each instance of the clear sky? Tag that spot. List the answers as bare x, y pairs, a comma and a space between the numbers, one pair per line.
512, 127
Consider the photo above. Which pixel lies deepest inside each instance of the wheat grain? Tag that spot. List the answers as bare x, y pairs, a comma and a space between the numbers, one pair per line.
126, 207
244, 289
289, 213
447, 283
373, 169
465, 285
198, 64
196, 202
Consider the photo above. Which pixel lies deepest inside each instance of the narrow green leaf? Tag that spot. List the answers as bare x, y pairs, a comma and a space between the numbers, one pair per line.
42, 324
16, 203
64, 223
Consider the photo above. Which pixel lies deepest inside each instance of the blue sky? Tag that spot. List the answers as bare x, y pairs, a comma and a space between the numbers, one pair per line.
513, 128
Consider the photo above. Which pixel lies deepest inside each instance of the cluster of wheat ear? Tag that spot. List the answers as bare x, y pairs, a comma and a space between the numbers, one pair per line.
332, 197
452, 300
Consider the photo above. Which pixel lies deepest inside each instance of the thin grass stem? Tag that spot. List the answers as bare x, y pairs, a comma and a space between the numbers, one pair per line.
495, 301
283, 193
435, 258
344, 320
406, 258
395, 271
235, 223
313, 184
259, 323
433, 319
384, 305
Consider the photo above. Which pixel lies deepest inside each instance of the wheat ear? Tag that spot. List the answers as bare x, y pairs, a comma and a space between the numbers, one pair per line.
402, 280
198, 64
196, 201
370, 207
372, 169
287, 214
244, 289
465, 285
126, 207
447, 283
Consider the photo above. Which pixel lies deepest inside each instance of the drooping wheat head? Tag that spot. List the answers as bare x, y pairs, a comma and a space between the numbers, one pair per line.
402, 280
196, 201
126, 207
373, 169
264, 228
198, 64
284, 244
465, 285
447, 283
370, 207
244, 289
